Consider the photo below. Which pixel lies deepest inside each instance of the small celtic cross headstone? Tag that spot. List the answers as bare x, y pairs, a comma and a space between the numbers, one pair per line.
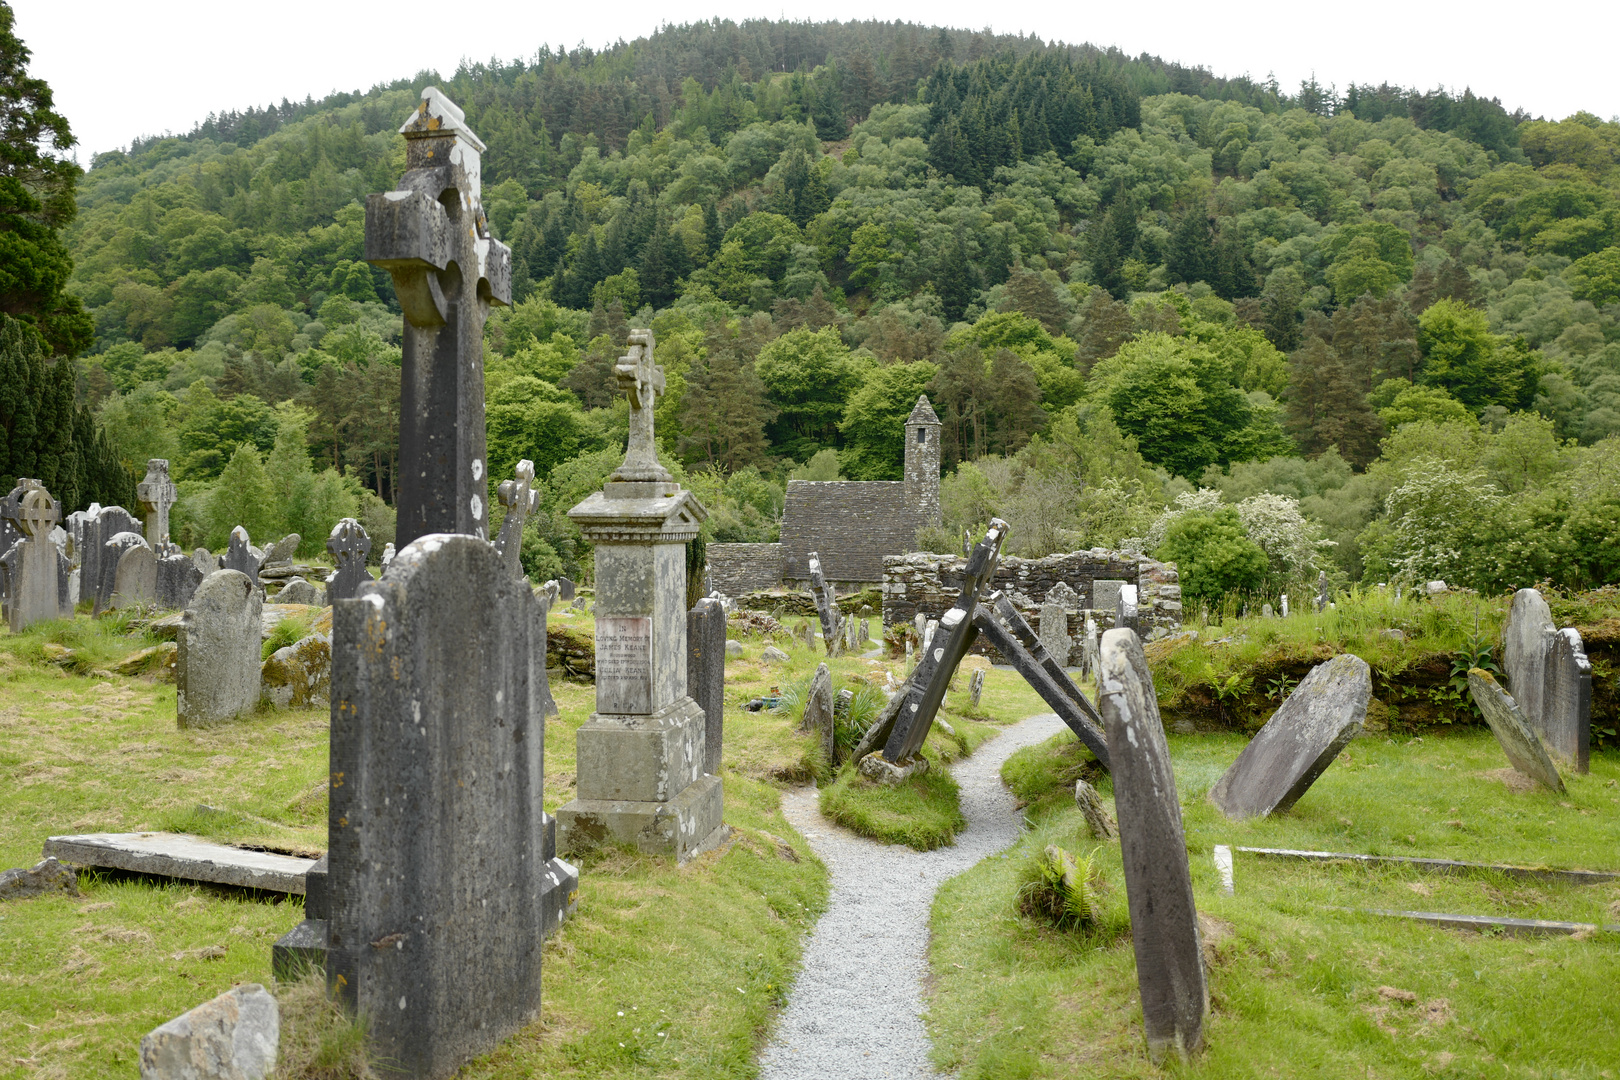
521, 500
643, 381
349, 546
35, 572
38, 514
156, 495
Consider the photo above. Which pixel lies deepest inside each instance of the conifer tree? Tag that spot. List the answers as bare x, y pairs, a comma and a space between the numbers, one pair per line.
1192, 249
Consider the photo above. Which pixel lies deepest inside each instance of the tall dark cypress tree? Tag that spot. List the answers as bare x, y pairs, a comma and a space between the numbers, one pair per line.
956, 283
1192, 249
1113, 241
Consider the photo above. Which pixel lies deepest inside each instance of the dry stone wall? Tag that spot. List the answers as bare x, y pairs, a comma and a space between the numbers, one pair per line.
929, 583
738, 569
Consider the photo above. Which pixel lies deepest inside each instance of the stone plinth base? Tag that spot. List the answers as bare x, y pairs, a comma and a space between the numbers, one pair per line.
686, 825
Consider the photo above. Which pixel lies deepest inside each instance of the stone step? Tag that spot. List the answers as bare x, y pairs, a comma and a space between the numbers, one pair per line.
188, 858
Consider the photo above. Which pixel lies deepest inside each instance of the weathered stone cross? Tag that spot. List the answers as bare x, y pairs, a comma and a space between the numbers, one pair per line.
642, 380
521, 500
156, 494
38, 514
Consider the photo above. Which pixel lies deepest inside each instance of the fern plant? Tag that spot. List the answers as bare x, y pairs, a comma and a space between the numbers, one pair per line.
1064, 890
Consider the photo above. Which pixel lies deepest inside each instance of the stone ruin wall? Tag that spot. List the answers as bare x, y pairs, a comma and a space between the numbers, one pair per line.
930, 583
739, 569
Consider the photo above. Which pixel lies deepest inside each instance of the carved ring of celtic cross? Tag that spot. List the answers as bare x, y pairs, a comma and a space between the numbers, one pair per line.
37, 514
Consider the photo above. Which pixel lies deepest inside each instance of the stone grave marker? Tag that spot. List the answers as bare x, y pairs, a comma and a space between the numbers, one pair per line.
112, 555
204, 561
1283, 601
706, 674
218, 666
1098, 823
349, 546
431, 235
1299, 742
1105, 595
96, 570
281, 552
521, 500
177, 580
440, 871
1054, 628
135, 583
233, 1037
925, 691
1266, 612
240, 556
921, 623
826, 604
565, 589
387, 558
298, 591
976, 686
1088, 646
36, 572
1550, 678
1158, 885
156, 495
1512, 731
641, 755
1321, 591
818, 710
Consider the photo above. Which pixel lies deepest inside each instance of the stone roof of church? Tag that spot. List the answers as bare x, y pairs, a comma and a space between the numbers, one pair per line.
852, 524
923, 413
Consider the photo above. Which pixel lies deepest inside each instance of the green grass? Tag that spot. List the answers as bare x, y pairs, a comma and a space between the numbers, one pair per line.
1295, 986
923, 812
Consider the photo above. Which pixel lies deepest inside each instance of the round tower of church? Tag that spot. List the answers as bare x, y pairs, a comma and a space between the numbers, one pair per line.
922, 462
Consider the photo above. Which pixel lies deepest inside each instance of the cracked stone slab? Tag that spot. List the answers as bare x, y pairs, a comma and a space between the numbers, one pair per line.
185, 857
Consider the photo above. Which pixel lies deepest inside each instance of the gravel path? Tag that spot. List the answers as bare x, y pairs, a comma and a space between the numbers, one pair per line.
856, 1009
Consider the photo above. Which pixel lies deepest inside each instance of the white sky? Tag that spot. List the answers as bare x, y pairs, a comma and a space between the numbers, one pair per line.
122, 69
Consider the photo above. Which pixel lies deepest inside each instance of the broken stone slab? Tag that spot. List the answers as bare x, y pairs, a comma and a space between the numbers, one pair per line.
1510, 927
187, 858
774, 655
1091, 807
233, 1037
1299, 742
1441, 866
299, 676
297, 591
46, 876
881, 771
1158, 885
1512, 730
818, 710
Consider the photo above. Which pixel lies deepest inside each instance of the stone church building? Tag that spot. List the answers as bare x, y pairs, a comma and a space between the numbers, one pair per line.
852, 524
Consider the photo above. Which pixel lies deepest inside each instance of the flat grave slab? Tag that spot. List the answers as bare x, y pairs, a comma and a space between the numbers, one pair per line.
1440, 866
185, 857
1511, 927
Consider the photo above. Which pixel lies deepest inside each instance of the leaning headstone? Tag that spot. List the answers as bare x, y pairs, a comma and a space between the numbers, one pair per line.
706, 651
818, 710
297, 591
35, 569
135, 583
349, 546
217, 668
233, 1037
1299, 742
641, 755
112, 556
204, 560
177, 581
431, 236
1054, 630
1512, 731
156, 495
976, 686
565, 589
437, 904
1158, 886
826, 604
1048, 680
1105, 597
520, 499
1098, 823
282, 551
240, 556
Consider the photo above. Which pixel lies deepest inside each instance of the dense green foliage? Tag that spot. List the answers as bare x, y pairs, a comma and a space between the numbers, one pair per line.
1115, 278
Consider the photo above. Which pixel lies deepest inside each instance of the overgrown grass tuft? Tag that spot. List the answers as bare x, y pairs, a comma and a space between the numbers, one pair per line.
94, 644
319, 1040
922, 813
289, 631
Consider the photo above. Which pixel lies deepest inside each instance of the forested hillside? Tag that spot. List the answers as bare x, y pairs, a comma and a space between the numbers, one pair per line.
1378, 327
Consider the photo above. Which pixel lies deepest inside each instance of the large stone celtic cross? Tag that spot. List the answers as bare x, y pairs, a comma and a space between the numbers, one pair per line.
642, 380
38, 514
156, 494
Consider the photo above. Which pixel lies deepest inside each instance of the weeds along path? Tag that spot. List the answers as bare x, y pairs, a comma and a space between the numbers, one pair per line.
856, 1008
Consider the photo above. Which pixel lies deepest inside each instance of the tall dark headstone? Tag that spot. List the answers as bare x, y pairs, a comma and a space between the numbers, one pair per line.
826, 604
439, 877
94, 571
349, 546
431, 235
1299, 742
157, 494
565, 589
241, 556
112, 557
177, 581
1058, 690
706, 674
521, 500
1550, 678
1158, 886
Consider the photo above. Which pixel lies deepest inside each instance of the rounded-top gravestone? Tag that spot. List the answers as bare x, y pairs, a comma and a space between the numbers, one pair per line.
218, 666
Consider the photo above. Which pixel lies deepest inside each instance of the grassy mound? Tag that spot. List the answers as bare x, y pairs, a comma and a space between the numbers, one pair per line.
922, 813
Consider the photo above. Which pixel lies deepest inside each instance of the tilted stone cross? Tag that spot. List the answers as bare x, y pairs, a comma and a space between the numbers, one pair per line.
521, 500
156, 494
642, 380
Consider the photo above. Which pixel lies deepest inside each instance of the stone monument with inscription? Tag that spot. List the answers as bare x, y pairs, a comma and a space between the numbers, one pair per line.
431, 235
641, 755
